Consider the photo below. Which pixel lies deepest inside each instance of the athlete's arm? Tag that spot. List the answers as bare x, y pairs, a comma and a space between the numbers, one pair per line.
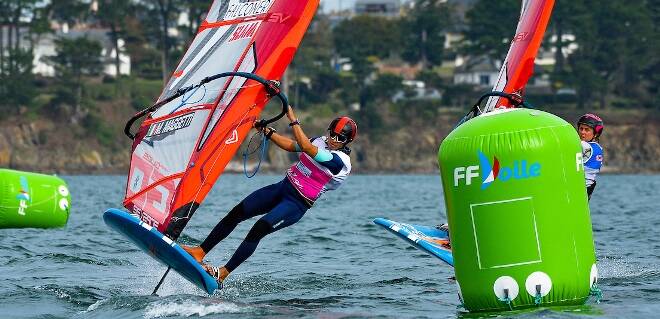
283, 142
302, 139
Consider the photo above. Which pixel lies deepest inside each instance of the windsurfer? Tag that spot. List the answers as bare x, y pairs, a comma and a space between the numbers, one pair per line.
324, 165
590, 127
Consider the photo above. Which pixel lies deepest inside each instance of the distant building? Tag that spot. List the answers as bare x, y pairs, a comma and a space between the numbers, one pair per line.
483, 71
387, 8
397, 67
43, 46
480, 71
417, 90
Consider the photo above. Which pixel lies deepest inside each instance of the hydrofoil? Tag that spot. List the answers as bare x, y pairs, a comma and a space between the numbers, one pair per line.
160, 247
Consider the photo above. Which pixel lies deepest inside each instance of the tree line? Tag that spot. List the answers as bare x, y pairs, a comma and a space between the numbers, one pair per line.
615, 63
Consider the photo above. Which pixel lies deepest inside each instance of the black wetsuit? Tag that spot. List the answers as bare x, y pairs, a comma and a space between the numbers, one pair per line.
282, 205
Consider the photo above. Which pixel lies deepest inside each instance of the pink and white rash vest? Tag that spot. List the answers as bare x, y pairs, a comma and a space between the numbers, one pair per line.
312, 179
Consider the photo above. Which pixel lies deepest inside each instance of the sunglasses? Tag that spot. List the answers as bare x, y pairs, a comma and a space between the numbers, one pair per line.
338, 137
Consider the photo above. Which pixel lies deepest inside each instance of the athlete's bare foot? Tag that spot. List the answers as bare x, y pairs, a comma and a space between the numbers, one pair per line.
196, 252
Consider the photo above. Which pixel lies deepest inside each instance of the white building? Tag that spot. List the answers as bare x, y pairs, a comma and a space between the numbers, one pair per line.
44, 46
483, 71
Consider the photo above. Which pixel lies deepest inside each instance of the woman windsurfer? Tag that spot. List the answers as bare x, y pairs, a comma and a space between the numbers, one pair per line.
324, 165
590, 127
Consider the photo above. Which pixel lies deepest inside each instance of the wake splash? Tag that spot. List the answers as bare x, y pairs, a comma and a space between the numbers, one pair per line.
189, 308
612, 269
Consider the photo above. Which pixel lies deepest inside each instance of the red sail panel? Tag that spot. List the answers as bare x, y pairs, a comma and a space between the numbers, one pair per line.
183, 147
518, 65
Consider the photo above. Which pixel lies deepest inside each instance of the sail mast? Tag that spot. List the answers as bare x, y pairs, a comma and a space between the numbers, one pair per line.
518, 65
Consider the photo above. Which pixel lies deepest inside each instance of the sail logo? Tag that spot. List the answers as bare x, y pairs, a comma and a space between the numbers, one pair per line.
522, 36
241, 8
233, 138
491, 171
278, 18
24, 196
170, 125
244, 31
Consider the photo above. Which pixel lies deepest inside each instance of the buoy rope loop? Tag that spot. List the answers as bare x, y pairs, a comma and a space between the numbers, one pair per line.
538, 298
507, 301
596, 292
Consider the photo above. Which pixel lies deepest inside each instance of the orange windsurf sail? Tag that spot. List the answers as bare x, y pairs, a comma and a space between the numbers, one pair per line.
209, 105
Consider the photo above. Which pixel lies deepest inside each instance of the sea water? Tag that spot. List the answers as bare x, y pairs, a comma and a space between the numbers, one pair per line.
335, 263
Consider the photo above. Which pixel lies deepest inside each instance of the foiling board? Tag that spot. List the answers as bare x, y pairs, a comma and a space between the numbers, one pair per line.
160, 247
425, 238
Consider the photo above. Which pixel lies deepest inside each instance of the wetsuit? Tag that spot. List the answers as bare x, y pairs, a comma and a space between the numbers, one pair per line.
283, 203
592, 158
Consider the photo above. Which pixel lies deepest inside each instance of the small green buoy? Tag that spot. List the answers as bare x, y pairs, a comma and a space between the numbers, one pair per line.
30, 200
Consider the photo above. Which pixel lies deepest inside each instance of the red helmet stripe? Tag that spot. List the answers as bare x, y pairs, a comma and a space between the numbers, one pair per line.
340, 125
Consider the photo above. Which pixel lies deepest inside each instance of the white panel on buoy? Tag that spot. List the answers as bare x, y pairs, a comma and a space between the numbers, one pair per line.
63, 190
506, 282
593, 276
64, 204
538, 278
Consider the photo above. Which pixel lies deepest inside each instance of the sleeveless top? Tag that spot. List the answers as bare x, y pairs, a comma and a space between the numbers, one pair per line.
311, 179
592, 158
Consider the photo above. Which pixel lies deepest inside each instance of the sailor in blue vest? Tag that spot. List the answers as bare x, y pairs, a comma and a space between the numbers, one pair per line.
590, 127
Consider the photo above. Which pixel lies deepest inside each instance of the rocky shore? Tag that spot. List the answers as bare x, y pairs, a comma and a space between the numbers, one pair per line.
631, 141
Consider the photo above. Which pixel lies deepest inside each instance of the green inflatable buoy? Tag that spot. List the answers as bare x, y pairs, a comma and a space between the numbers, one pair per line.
30, 200
517, 207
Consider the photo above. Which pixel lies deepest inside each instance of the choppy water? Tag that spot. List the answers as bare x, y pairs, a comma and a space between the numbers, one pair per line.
333, 264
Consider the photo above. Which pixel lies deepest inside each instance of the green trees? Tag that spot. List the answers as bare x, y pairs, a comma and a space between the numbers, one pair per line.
74, 59
423, 32
195, 10
651, 70
490, 26
165, 13
112, 14
310, 77
615, 46
365, 37
614, 61
16, 55
68, 11
566, 16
